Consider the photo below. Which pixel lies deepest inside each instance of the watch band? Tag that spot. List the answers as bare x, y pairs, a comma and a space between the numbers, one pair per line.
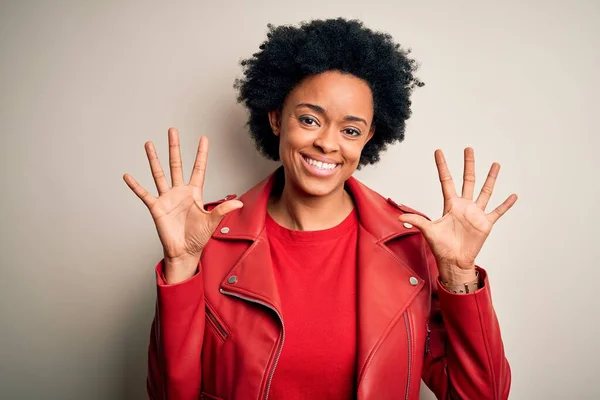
464, 287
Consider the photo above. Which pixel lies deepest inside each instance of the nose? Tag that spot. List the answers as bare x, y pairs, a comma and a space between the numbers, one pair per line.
327, 140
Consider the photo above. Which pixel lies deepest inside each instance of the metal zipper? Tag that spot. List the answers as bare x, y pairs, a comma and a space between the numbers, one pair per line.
427, 339
409, 352
282, 335
216, 324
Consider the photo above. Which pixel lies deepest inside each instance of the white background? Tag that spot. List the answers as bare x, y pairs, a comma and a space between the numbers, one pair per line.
84, 84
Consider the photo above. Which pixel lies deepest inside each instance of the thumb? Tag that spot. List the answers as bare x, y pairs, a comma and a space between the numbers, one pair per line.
225, 208
418, 221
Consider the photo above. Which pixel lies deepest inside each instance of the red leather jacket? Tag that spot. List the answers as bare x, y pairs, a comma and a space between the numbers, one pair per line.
219, 334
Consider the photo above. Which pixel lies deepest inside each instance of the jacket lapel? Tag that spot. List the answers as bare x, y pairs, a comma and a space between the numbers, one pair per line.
386, 285
252, 276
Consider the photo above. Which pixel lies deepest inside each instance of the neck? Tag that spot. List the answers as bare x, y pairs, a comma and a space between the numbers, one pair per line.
296, 210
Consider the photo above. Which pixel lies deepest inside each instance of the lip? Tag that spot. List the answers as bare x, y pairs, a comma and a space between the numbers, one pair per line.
311, 169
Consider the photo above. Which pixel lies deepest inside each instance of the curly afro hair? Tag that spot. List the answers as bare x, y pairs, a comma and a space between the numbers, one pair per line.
292, 53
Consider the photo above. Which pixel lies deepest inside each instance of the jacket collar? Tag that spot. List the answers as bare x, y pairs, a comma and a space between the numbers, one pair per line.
377, 215
381, 274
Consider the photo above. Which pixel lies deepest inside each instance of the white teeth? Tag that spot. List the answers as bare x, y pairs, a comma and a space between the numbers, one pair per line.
319, 164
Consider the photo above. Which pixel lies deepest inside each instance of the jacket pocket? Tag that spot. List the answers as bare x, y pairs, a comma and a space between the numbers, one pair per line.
216, 324
209, 396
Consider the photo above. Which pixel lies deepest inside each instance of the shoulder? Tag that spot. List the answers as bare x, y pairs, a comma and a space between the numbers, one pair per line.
210, 205
374, 200
406, 209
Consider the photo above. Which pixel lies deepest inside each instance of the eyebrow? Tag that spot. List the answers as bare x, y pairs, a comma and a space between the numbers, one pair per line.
321, 110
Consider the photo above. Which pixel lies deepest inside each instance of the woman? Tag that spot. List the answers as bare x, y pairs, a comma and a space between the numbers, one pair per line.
312, 285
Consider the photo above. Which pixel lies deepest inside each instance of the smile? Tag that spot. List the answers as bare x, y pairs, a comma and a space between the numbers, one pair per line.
319, 168
319, 164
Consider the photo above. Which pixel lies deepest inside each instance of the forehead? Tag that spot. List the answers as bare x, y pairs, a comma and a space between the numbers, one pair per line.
336, 92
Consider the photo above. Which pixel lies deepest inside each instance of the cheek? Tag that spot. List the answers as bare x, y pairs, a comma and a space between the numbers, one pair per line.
288, 145
352, 151
294, 138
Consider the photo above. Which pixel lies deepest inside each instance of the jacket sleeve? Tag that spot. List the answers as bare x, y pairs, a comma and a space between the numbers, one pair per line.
464, 355
174, 367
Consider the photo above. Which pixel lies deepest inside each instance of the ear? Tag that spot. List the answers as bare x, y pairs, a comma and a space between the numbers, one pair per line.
370, 134
275, 121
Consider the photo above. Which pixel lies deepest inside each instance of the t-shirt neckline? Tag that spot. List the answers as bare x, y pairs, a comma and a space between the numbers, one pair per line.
335, 232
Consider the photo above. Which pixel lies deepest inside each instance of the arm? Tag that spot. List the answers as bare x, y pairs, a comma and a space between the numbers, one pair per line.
184, 224
465, 357
174, 368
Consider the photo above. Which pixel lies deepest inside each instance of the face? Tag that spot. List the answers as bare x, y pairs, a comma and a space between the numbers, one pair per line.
323, 126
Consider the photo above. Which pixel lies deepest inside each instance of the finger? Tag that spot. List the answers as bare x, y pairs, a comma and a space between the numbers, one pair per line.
488, 186
142, 193
502, 208
199, 171
448, 189
415, 220
469, 174
223, 209
157, 171
175, 158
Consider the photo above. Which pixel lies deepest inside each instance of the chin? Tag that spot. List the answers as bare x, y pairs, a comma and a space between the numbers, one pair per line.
318, 189
319, 186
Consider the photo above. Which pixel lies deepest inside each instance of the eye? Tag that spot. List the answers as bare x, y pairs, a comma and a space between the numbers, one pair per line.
352, 132
308, 121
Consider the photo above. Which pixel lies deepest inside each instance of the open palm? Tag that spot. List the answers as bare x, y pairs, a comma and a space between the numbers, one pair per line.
184, 226
458, 236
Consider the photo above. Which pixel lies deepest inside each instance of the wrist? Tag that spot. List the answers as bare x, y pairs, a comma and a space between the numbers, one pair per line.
454, 275
179, 269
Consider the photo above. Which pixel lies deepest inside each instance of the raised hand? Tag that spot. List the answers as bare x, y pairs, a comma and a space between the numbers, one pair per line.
457, 237
183, 226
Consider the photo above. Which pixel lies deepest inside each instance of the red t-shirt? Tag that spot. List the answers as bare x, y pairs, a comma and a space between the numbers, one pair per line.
316, 277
